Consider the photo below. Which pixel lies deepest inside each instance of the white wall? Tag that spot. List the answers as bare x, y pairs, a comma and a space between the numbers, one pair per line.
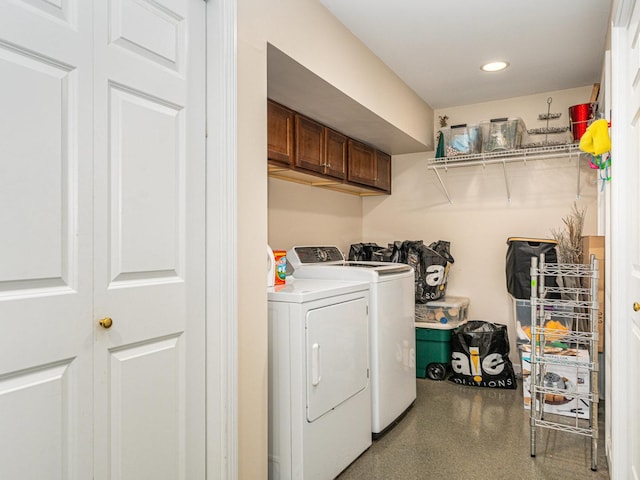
480, 220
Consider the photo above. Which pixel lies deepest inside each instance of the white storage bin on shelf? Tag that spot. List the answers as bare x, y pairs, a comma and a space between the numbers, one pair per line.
500, 134
462, 140
557, 317
448, 310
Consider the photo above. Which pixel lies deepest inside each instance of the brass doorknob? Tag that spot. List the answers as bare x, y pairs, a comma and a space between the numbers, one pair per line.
636, 306
106, 322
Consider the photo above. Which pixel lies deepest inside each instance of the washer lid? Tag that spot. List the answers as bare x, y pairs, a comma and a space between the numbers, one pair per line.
301, 290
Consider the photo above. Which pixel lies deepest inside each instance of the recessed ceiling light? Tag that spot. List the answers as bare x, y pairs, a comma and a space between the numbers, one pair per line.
494, 66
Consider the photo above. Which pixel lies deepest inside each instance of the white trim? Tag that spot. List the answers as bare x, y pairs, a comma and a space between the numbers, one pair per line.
605, 228
621, 12
616, 342
222, 292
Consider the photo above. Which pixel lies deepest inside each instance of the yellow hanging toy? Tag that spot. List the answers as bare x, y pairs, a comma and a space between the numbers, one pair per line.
596, 141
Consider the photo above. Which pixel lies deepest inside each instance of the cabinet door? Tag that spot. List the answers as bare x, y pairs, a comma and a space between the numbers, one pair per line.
383, 171
335, 154
362, 163
280, 133
309, 149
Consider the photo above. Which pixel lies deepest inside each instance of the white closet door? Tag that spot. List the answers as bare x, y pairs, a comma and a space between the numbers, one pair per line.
45, 241
149, 238
102, 214
625, 318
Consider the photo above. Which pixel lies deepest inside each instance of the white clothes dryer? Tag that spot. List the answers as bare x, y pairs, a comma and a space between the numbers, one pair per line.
319, 387
392, 327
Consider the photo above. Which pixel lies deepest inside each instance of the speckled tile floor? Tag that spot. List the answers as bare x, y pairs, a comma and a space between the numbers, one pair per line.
459, 432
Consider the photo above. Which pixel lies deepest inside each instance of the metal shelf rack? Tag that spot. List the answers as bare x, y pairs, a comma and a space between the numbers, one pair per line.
503, 158
578, 304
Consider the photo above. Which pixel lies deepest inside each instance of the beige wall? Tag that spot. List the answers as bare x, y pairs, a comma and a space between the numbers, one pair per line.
311, 35
304, 215
481, 219
478, 223
252, 236
305, 31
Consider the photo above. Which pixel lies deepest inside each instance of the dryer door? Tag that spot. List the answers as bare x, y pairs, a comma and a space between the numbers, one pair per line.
337, 354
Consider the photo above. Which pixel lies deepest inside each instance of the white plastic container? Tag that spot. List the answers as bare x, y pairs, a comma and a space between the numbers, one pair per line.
449, 311
500, 134
462, 140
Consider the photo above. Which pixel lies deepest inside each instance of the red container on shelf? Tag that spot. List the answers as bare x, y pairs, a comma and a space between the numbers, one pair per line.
581, 116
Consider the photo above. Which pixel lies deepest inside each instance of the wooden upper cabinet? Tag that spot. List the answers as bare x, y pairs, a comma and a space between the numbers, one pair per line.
335, 154
362, 163
383, 171
368, 166
280, 133
309, 145
301, 150
320, 149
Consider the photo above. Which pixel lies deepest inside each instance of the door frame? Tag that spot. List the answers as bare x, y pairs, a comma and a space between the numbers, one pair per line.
621, 212
221, 243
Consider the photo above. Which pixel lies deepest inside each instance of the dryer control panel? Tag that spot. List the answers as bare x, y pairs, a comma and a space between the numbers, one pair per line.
317, 254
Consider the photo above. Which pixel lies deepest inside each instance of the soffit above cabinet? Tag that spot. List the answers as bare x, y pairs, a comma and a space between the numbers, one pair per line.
295, 86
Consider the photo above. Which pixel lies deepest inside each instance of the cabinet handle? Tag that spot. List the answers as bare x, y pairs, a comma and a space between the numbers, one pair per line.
316, 371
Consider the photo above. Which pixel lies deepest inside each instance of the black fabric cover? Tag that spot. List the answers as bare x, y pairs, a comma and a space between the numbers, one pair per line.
518, 264
480, 356
363, 252
431, 265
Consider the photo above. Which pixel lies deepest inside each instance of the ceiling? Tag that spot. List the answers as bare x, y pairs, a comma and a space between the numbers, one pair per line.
437, 46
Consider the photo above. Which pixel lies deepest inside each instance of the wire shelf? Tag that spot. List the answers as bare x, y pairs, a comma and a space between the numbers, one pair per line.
581, 305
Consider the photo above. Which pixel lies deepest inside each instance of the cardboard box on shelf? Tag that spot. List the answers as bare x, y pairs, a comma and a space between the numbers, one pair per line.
573, 378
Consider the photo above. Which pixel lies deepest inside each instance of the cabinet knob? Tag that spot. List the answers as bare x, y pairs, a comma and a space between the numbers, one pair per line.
636, 306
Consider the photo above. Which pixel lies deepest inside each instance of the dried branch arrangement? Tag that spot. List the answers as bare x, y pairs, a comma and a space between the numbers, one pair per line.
569, 250
570, 238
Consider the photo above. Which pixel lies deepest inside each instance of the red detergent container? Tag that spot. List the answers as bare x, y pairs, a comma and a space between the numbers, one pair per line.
581, 116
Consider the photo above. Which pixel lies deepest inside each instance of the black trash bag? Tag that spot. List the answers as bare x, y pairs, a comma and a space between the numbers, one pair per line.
356, 252
363, 252
480, 356
402, 251
385, 254
518, 264
433, 271
431, 266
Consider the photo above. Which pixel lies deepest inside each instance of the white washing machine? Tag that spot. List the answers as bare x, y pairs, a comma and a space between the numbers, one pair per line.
392, 329
319, 386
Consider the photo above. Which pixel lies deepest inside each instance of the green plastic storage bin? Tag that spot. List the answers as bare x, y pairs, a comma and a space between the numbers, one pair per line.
433, 352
